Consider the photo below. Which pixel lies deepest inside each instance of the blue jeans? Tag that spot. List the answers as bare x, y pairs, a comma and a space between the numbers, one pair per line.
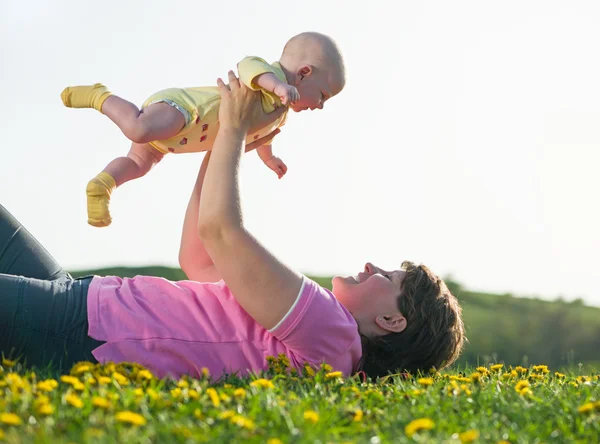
43, 310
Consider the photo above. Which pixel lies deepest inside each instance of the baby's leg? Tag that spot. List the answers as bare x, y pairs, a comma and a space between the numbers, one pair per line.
159, 121
140, 159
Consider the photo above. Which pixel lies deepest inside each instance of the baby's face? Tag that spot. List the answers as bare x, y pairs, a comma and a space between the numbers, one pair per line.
315, 89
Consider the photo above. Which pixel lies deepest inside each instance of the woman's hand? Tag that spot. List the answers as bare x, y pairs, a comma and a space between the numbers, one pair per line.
240, 107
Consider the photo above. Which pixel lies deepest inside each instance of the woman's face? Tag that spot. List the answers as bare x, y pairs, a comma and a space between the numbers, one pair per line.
372, 298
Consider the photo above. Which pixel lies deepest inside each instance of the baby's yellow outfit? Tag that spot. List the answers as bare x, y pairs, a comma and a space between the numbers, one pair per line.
200, 107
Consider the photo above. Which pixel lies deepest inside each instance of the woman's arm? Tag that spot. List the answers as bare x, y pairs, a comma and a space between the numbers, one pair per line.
193, 258
262, 285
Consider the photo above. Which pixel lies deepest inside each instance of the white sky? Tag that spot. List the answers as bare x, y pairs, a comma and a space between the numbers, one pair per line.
467, 138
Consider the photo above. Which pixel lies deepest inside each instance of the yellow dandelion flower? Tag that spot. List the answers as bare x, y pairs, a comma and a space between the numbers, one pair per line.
145, 375
227, 386
425, 381
559, 375
525, 391
176, 392
104, 380
308, 371
274, 441
121, 379
496, 367
99, 401
224, 397
182, 383
484, 371
90, 380
138, 392
327, 367
541, 368
74, 400
503, 441
468, 436
243, 422
45, 409
333, 375
152, 394
71, 380
417, 392
227, 414
193, 394
205, 372
239, 393
521, 385
586, 408
418, 425
311, 416
358, 415
82, 367
130, 418
465, 388
214, 396
47, 385
8, 363
476, 376
10, 419
198, 414
263, 383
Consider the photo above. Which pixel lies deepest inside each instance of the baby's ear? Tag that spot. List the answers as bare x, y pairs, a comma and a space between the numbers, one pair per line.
305, 70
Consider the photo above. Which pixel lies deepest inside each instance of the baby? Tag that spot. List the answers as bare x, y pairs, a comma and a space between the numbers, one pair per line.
309, 72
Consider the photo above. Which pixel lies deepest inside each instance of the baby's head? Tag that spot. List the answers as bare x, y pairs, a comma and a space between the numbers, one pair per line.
317, 67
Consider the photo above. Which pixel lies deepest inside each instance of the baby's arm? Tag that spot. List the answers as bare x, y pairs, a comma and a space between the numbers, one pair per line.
265, 152
269, 82
256, 74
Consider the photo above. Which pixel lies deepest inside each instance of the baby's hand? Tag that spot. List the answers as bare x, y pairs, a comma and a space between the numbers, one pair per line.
287, 93
277, 165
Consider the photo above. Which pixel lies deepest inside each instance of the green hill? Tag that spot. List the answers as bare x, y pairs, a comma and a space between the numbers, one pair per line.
500, 328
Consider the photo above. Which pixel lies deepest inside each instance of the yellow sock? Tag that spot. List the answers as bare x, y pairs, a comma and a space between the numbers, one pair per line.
85, 96
98, 193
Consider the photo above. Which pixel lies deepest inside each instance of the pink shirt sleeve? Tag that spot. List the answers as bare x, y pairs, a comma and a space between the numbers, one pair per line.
318, 328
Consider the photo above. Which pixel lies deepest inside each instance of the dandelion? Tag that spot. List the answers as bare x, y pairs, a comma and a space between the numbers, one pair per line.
418, 425
82, 367
586, 408
182, 383
205, 372
358, 415
47, 385
227, 414
496, 367
74, 400
484, 371
214, 397
8, 363
521, 385
559, 375
541, 368
10, 419
469, 436
130, 418
193, 394
308, 371
333, 375
425, 381
274, 441
476, 376
176, 392
121, 379
198, 414
243, 422
520, 369
311, 416
145, 375
152, 394
239, 393
264, 383
104, 380
98, 401
45, 409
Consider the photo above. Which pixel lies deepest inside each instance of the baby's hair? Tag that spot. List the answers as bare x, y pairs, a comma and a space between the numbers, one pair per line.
327, 55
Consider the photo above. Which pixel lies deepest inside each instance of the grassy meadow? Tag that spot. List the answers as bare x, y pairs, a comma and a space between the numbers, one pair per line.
126, 403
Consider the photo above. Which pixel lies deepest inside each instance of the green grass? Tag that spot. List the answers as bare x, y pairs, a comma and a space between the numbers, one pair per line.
320, 408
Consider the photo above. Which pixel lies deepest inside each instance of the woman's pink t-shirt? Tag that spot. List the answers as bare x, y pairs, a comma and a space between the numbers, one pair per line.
176, 328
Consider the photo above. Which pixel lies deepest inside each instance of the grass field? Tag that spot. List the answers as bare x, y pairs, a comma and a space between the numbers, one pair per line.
126, 403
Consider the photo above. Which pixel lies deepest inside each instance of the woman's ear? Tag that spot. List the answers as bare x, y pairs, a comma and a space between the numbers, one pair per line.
395, 323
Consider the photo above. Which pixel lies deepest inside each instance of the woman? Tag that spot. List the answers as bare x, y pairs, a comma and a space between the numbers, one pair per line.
240, 305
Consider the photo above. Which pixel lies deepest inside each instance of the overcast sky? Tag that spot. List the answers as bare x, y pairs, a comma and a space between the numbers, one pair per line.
467, 137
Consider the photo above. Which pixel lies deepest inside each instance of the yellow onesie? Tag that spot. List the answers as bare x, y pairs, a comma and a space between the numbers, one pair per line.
200, 107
